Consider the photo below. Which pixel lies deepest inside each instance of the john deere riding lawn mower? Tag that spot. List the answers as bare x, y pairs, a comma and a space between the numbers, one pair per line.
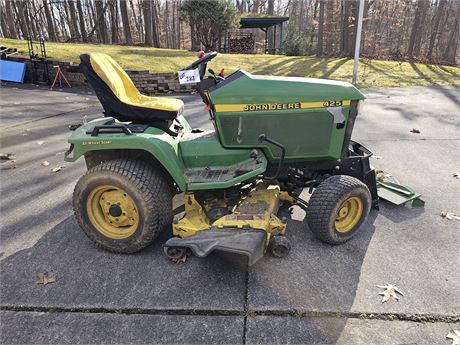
273, 137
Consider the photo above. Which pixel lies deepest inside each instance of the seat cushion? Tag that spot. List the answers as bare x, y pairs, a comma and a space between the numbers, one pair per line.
120, 97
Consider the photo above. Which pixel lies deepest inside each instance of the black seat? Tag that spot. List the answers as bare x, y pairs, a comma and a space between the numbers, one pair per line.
120, 97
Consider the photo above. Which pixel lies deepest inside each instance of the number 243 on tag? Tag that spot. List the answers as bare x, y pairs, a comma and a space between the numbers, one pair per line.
191, 76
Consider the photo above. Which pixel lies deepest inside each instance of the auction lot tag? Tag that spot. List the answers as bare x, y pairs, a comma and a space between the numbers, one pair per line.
191, 76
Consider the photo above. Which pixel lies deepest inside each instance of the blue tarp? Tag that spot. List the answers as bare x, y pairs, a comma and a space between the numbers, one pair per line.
12, 71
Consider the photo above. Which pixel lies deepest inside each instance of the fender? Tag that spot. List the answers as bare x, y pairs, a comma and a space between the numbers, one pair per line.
162, 146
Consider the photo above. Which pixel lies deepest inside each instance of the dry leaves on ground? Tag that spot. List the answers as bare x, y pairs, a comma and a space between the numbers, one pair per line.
44, 278
6, 156
182, 259
390, 290
450, 215
57, 169
455, 336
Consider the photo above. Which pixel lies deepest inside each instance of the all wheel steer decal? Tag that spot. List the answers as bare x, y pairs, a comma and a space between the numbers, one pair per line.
96, 142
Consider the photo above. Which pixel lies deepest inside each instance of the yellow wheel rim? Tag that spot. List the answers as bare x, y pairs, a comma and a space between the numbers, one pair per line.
349, 214
112, 212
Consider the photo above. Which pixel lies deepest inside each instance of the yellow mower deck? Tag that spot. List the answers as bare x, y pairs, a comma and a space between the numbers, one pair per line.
253, 218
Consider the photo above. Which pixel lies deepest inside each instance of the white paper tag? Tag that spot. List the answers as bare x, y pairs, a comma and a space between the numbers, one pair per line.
191, 76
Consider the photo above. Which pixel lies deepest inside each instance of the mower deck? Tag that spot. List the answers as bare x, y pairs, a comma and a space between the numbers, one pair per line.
245, 228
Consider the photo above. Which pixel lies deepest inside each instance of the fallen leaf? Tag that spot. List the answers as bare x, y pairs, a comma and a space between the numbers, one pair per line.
450, 215
44, 278
6, 156
40, 142
455, 336
57, 169
377, 157
416, 131
74, 126
390, 291
182, 259
45, 163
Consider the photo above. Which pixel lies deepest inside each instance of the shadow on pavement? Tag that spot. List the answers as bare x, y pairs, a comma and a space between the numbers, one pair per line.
315, 277
89, 277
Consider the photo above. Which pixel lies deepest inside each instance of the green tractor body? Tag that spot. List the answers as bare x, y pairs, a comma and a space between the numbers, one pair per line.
273, 136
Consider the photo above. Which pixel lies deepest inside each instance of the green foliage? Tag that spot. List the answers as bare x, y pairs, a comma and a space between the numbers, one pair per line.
210, 18
295, 45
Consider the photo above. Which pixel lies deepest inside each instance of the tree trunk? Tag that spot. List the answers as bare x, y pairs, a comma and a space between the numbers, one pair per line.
81, 18
69, 21
147, 12
100, 21
194, 38
319, 47
136, 20
31, 17
155, 21
113, 20
270, 11
329, 26
9, 17
126, 23
352, 38
49, 22
451, 48
435, 29
417, 28
22, 20
364, 29
4, 26
74, 20
255, 6
345, 36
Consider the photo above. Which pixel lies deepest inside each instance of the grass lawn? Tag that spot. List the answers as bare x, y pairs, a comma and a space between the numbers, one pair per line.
371, 72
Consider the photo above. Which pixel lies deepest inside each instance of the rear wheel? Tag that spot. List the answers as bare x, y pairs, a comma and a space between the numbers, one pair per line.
338, 208
122, 205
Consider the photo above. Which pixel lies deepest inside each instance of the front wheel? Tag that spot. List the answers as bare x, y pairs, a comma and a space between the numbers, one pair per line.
338, 208
122, 205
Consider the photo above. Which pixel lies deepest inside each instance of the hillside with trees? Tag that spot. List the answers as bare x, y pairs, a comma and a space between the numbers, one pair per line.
405, 30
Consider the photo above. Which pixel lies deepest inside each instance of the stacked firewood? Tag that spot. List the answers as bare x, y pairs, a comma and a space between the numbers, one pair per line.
243, 44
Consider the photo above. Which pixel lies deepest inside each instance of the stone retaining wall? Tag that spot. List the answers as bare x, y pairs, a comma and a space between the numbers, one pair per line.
148, 83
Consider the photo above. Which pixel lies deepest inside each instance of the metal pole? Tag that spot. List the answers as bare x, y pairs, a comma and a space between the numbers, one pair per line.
358, 40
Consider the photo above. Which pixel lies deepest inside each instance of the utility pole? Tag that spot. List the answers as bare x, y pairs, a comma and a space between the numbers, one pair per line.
358, 40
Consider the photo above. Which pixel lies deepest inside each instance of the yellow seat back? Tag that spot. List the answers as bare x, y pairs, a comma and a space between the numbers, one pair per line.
123, 87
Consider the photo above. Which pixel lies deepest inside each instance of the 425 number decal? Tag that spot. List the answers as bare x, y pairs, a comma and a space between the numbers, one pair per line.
332, 103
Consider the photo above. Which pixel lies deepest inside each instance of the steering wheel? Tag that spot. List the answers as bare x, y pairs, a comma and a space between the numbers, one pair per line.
204, 60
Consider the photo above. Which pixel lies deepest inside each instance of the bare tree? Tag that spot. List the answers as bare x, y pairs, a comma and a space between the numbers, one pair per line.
100, 20
435, 29
319, 49
81, 18
49, 21
126, 22
417, 28
9, 18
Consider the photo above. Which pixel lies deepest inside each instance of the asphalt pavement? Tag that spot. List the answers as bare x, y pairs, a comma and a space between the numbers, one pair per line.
319, 294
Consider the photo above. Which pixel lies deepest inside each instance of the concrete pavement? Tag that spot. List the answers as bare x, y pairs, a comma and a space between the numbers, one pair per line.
318, 295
